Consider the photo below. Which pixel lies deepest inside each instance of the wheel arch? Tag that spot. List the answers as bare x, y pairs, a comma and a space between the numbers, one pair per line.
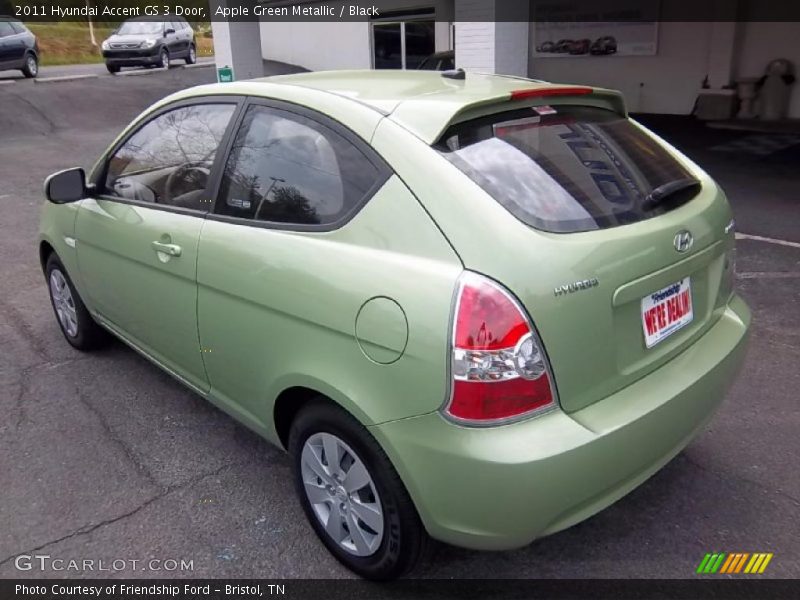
45, 250
292, 399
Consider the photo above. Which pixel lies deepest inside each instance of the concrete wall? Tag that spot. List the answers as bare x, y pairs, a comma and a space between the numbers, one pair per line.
665, 83
687, 52
236, 45
318, 45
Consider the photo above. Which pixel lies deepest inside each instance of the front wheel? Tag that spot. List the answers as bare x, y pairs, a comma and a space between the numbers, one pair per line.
163, 60
352, 496
113, 69
31, 67
73, 318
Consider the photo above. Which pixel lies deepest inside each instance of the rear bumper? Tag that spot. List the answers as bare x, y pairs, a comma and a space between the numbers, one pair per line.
502, 487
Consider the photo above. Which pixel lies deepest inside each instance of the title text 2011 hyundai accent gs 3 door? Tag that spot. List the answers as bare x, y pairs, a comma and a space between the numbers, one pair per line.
472, 308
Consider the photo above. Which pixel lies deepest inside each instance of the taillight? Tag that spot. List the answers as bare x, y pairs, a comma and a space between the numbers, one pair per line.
499, 368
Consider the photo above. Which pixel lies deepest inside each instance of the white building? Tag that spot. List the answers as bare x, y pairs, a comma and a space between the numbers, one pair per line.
661, 69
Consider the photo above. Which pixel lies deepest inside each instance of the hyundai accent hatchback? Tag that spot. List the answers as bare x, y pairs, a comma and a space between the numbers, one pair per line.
472, 308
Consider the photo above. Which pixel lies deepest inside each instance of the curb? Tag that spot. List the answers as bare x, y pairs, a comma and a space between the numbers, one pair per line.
141, 72
8, 82
162, 70
64, 78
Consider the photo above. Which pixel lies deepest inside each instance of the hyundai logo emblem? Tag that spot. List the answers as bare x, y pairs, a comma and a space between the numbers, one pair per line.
683, 241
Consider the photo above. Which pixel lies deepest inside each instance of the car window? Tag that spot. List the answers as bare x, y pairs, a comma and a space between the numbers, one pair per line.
286, 168
18, 27
569, 168
169, 160
6, 29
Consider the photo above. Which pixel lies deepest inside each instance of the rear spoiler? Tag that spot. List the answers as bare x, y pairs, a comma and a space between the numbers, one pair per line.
430, 129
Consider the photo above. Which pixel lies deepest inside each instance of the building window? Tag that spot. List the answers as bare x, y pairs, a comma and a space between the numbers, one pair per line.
403, 44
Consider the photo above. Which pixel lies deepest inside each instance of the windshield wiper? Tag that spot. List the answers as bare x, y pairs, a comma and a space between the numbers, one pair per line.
664, 191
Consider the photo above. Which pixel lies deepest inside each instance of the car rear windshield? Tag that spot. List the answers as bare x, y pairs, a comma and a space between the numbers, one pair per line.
565, 169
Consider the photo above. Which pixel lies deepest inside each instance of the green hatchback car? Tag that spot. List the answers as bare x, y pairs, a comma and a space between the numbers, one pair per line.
472, 308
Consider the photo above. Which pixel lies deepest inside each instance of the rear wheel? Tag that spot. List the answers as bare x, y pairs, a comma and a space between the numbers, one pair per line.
352, 496
113, 69
191, 57
73, 318
31, 67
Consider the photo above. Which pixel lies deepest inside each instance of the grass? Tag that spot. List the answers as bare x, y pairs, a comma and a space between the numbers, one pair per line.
69, 43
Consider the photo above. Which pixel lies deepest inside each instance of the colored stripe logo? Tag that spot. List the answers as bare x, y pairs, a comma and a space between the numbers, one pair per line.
733, 563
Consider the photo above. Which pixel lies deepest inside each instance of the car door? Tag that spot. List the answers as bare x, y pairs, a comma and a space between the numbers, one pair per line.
17, 43
174, 42
6, 33
270, 265
185, 36
137, 237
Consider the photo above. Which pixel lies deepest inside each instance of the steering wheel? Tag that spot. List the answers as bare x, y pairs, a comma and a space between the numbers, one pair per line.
181, 174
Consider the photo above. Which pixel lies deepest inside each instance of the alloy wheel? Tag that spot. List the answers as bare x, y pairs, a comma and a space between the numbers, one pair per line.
342, 494
33, 66
63, 303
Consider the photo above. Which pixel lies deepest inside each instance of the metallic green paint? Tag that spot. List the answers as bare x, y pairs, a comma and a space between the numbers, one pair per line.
501, 487
277, 309
247, 312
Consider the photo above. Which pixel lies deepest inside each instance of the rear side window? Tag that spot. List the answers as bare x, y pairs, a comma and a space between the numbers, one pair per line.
6, 29
569, 168
18, 27
286, 168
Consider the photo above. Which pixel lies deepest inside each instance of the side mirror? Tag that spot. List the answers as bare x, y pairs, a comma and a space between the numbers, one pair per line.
168, 31
66, 186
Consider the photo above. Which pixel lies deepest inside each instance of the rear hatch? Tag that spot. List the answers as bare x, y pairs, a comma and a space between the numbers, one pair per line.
619, 247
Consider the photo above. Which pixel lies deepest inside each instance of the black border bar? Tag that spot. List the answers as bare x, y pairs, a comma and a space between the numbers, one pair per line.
703, 588
116, 11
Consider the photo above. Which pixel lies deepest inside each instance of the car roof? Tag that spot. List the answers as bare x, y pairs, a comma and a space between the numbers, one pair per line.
424, 102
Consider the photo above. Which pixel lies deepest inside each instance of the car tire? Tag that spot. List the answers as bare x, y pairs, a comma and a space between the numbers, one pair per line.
31, 67
163, 59
402, 541
77, 325
113, 69
191, 56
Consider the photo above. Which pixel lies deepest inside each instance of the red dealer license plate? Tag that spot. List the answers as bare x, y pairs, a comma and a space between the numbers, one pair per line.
666, 311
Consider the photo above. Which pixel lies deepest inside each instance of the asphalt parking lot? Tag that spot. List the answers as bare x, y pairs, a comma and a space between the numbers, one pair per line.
103, 456
88, 70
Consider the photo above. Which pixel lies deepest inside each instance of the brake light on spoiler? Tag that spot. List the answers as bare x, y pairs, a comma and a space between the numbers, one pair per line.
550, 92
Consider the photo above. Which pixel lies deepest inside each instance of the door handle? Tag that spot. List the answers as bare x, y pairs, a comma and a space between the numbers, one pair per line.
171, 249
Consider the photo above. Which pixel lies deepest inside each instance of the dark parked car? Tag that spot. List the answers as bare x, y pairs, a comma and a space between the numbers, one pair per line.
604, 45
147, 43
18, 48
441, 61
580, 46
563, 46
547, 46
